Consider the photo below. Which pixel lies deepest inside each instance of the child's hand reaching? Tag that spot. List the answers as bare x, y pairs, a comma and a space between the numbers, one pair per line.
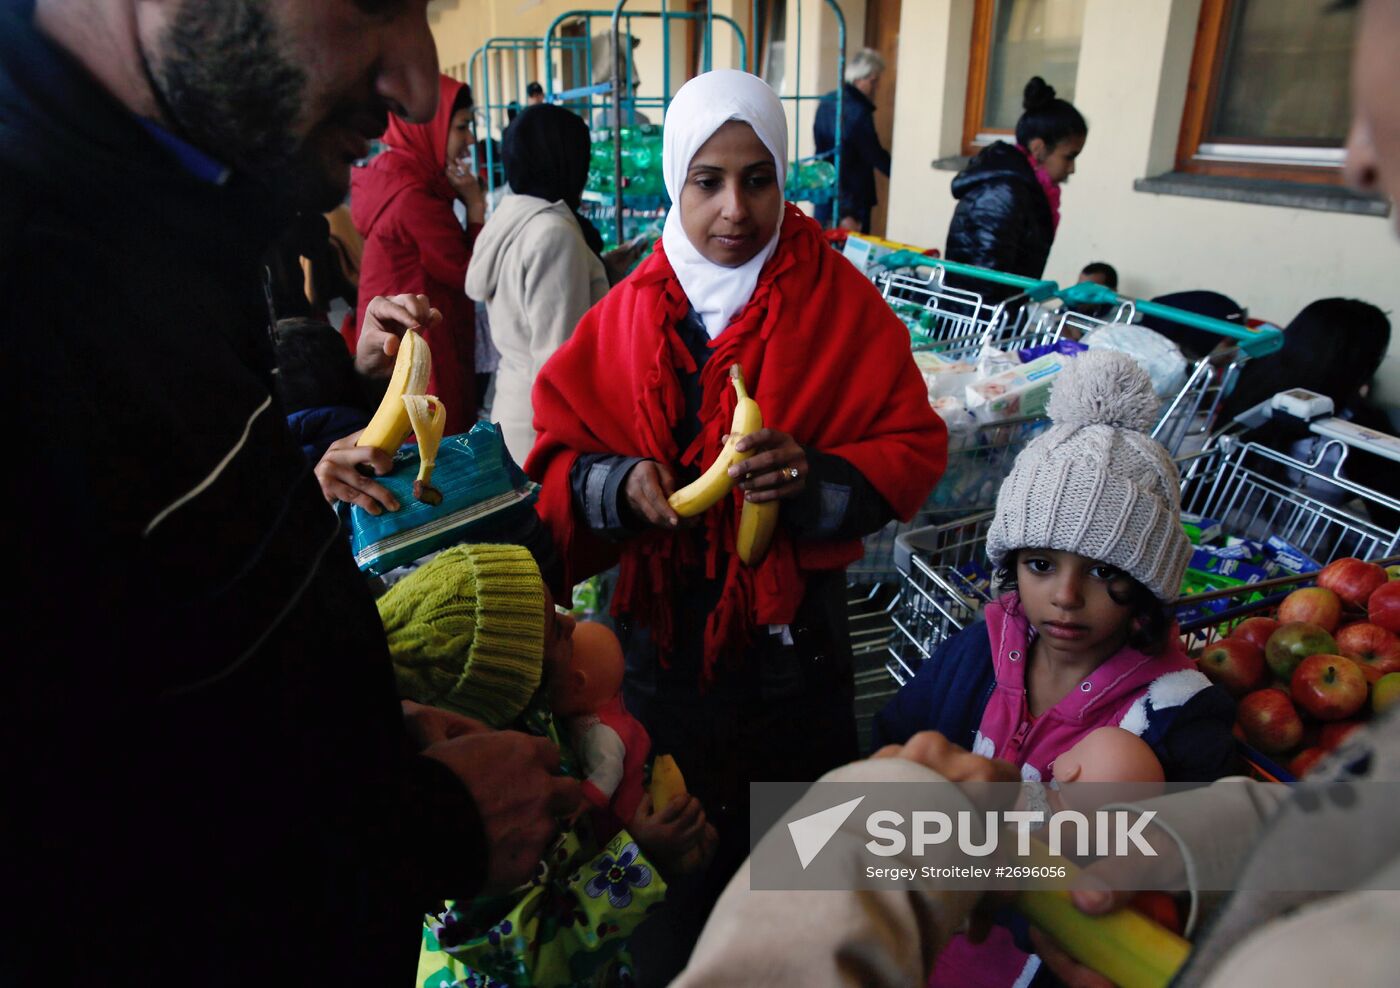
677, 838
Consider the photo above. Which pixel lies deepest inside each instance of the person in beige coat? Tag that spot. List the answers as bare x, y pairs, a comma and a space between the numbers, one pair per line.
532, 265
1334, 834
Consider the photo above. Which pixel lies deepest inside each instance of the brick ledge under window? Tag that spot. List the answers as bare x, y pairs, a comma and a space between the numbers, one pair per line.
1264, 192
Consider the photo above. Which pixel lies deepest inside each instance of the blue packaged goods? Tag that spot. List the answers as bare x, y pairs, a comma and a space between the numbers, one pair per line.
1213, 562
1200, 529
1290, 559
1069, 348
482, 489
974, 580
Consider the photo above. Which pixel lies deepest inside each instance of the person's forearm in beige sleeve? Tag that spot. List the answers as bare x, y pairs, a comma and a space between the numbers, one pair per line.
819, 939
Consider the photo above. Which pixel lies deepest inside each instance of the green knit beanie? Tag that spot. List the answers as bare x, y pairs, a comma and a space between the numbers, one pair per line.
466, 631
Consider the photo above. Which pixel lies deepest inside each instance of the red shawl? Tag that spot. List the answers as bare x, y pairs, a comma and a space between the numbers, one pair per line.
827, 362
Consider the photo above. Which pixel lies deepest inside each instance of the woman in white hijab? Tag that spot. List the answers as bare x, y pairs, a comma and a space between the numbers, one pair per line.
742, 673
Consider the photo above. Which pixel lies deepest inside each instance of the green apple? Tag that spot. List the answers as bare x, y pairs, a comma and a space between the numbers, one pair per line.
1386, 693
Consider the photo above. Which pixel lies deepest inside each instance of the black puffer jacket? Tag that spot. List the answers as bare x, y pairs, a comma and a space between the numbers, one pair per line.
1003, 217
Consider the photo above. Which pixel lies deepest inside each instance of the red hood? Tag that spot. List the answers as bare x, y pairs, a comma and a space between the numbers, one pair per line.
415, 154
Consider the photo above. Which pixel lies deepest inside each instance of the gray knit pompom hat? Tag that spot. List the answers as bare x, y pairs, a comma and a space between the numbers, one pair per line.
1095, 483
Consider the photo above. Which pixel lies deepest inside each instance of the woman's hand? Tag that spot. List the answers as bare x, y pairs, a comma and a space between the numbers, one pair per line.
429, 725
777, 469
974, 774
387, 318
647, 487
341, 478
676, 838
468, 189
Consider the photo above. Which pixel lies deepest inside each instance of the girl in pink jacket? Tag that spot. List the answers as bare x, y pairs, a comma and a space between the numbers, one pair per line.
1088, 550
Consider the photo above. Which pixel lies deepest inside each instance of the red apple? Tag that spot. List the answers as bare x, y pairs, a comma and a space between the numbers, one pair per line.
1294, 642
1160, 907
1315, 605
1384, 607
1352, 579
1270, 722
1330, 687
1335, 733
1256, 630
1305, 760
1370, 644
1372, 673
1386, 692
1234, 663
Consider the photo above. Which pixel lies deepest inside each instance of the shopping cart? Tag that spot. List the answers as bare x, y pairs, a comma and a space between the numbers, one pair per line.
1188, 415
958, 322
970, 481
980, 308
1252, 491
984, 308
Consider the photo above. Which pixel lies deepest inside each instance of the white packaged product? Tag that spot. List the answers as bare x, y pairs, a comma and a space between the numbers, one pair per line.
943, 377
962, 427
1022, 391
1154, 353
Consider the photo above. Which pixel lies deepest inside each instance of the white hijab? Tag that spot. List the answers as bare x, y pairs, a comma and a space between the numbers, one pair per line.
700, 108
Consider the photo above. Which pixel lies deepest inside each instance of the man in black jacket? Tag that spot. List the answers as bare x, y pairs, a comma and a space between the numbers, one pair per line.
861, 151
208, 776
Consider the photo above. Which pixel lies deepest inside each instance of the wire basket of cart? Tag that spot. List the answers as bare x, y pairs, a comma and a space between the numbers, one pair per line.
1293, 515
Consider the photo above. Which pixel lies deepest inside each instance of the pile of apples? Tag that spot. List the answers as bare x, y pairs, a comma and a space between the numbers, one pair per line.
1311, 677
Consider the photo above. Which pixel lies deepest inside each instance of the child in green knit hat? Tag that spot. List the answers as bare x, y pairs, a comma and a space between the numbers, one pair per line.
475, 631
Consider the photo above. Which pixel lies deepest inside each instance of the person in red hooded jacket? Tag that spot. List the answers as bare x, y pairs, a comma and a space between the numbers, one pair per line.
402, 204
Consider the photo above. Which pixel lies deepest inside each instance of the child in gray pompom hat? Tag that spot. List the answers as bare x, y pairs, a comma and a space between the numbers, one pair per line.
1088, 550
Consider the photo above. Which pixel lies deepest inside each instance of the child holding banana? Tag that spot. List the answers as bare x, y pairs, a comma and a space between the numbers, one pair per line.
1088, 551
475, 631
738, 660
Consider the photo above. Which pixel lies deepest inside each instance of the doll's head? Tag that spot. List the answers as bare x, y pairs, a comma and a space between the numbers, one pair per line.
590, 676
1091, 512
1109, 754
473, 631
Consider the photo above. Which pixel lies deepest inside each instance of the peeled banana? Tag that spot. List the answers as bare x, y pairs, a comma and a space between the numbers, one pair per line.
705, 491
390, 425
428, 417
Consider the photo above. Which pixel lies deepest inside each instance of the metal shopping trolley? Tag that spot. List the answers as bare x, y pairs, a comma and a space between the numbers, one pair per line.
979, 307
958, 321
1189, 413
1252, 491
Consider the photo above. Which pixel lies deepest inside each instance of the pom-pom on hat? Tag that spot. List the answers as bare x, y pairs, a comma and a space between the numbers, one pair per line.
466, 631
1095, 483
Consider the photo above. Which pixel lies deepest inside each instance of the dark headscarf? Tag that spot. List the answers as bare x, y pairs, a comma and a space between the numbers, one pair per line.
545, 151
1334, 347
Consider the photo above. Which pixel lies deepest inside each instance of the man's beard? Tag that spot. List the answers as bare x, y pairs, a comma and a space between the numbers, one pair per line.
233, 93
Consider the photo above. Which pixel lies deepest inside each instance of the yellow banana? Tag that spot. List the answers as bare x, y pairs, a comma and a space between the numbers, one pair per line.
427, 416
756, 524
390, 425
1124, 946
704, 492
666, 782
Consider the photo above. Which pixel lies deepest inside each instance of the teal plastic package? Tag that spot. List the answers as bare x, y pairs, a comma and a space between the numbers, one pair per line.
482, 490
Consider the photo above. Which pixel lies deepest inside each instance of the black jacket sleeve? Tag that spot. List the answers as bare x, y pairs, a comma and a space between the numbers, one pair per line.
867, 141
1198, 745
837, 502
597, 480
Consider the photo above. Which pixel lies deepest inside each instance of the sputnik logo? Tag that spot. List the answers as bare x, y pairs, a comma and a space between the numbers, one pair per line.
812, 833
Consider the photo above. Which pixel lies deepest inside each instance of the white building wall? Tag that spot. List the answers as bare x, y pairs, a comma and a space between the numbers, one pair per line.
1131, 87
